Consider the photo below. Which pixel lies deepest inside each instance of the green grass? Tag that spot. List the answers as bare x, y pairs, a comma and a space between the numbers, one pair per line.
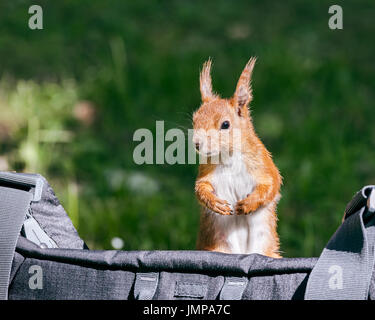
135, 62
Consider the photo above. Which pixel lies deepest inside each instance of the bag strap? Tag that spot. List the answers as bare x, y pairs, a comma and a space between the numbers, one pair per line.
344, 269
233, 288
17, 191
358, 201
145, 285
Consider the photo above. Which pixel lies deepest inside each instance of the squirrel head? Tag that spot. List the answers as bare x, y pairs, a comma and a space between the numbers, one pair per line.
219, 124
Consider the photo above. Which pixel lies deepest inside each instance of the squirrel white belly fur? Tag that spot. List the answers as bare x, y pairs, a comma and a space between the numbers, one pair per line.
244, 233
240, 190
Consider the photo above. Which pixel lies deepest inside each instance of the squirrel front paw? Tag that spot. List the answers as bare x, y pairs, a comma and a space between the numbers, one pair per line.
221, 207
206, 196
245, 206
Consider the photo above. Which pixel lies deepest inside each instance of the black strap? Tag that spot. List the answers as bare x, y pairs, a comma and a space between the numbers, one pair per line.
345, 267
358, 201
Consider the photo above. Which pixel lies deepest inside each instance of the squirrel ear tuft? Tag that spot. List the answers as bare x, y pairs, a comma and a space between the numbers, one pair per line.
206, 83
243, 94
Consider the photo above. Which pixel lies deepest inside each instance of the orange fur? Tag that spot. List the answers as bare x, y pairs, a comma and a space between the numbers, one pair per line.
258, 161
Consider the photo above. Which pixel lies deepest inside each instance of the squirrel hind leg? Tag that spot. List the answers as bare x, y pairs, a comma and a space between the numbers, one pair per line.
275, 255
212, 247
273, 252
217, 249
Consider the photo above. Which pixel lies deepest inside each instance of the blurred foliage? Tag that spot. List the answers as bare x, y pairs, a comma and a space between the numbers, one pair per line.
72, 95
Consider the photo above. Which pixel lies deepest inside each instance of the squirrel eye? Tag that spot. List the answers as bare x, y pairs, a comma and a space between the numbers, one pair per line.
225, 125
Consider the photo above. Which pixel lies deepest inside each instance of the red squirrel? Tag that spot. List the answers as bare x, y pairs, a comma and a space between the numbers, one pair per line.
239, 191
